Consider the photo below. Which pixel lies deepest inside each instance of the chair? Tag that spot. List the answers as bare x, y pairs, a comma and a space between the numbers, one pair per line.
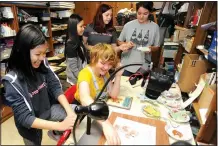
69, 93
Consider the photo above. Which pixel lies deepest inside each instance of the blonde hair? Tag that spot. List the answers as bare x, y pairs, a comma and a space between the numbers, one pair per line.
105, 52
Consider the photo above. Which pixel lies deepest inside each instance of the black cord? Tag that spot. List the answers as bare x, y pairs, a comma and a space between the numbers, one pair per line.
74, 129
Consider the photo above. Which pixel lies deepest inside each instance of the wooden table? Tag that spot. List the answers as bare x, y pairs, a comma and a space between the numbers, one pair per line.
136, 109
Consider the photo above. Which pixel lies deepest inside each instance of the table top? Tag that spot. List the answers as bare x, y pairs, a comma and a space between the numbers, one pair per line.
126, 89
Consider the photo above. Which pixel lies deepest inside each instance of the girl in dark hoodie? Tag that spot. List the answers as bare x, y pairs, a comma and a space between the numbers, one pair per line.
33, 90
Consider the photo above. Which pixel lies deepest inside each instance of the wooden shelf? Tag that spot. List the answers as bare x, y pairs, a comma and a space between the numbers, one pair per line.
6, 19
7, 37
60, 29
5, 5
58, 8
31, 6
204, 51
24, 22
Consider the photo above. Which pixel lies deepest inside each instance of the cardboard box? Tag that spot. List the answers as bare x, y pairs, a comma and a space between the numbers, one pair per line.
180, 33
190, 73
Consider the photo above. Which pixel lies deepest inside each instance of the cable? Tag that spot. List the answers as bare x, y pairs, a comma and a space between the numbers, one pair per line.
74, 129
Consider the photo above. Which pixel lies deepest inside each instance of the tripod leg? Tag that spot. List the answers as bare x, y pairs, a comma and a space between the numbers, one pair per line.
88, 128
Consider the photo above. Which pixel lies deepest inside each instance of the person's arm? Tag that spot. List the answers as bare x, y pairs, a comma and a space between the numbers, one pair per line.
114, 88
63, 101
122, 41
67, 124
85, 41
23, 114
86, 33
84, 92
54, 87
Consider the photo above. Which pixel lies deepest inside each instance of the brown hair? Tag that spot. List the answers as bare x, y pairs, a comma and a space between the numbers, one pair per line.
98, 20
104, 52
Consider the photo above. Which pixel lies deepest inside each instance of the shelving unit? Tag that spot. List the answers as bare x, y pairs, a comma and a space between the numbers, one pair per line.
207, 15
6, 112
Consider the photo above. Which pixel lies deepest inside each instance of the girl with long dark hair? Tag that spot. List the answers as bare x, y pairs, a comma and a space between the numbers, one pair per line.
33, 90
75, 51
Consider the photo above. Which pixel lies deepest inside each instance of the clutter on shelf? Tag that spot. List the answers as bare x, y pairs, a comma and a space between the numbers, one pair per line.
70, 5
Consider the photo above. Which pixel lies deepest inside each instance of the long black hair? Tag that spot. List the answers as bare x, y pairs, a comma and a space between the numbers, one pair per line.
27, 38
98, 22
73, 37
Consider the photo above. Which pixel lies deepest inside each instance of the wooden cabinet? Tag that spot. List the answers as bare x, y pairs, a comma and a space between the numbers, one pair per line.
86, 10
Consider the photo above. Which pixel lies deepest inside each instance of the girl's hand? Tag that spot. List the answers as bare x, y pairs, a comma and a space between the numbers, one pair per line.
130, 44
126, 46
67, 123
110, 134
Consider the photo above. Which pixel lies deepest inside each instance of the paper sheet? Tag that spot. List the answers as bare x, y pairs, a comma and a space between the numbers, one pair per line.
195, 94
135, 133
203, 112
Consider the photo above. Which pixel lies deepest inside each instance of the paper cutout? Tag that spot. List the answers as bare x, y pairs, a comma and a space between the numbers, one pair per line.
195, 94
135, 133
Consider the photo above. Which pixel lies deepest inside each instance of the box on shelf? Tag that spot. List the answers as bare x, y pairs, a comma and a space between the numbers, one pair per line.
169, 66
192, 67
181, 32
187, 44
64, 14
170, 49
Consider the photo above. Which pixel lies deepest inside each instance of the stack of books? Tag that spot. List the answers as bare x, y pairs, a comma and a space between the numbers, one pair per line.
69, 5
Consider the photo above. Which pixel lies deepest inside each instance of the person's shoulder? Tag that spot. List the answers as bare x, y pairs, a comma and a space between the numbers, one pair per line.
130, 23
85, 71
154, 24
85, 75
90, 26
11, 76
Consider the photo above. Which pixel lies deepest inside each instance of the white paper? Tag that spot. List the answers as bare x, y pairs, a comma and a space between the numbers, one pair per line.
203, 112
195, 94
144, 49
135, 133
